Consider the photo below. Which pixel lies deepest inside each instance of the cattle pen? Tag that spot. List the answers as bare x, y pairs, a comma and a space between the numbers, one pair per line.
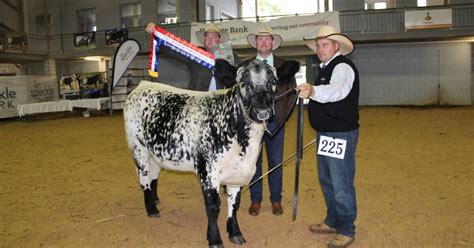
71, 182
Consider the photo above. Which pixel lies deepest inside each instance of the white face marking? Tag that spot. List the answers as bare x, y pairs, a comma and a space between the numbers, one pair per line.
258, 78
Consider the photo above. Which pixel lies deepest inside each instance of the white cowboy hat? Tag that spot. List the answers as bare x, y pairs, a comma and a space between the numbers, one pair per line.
265, 31
211, 28
346, 46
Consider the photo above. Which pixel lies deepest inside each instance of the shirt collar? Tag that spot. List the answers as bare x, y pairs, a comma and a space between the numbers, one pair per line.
269, 58
327, 63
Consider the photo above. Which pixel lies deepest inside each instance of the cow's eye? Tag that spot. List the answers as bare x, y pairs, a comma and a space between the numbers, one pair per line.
273, 83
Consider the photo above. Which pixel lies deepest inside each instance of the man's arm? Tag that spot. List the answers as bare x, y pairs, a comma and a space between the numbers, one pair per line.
338, 88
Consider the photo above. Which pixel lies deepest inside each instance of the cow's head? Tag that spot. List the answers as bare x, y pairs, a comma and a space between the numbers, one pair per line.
257, 83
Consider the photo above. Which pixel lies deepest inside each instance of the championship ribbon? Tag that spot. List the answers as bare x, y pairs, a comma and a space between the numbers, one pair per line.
162, 37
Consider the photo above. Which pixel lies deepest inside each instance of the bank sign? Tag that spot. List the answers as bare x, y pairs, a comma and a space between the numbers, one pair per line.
292, 28
19, 90
428, 19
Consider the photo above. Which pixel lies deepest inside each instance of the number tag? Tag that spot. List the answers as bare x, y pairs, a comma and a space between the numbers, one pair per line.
332, 147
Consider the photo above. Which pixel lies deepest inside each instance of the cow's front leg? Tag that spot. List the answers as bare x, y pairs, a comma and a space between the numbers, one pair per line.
233, 204
213, 202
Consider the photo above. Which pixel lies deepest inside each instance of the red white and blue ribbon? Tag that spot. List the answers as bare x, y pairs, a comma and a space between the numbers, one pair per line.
162, 37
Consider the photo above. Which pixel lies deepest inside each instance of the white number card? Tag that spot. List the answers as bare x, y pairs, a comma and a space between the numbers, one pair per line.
332, 147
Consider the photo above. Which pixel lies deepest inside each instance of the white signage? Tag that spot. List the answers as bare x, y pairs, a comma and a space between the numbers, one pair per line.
332, 147
293, 28
428, 19
124, 55
19, 90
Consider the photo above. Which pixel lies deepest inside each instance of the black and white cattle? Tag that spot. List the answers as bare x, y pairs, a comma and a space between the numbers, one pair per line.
217, 135
84, 39
70, 82
89, 81
17, 42
115, 36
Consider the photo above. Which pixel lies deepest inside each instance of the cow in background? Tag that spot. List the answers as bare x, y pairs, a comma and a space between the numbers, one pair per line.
88, 82
70, 82
84, 39
115, 37
16, 42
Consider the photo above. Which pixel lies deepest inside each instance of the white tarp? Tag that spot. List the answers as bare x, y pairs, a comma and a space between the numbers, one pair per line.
19, 90
293, 28
62, 105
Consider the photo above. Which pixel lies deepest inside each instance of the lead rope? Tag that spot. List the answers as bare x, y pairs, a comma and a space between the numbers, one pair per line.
286, 93
282, 163
276, 167
246, 116
277, 98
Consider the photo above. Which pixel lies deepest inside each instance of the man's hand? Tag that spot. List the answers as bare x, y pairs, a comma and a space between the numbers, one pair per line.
150, 28
306, 90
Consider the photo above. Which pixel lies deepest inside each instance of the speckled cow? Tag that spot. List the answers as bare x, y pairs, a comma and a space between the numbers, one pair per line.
217, 135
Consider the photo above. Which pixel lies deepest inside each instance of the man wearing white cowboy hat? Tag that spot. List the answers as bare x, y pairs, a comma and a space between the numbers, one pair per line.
266, 42
201, 78
211, 36
333, 113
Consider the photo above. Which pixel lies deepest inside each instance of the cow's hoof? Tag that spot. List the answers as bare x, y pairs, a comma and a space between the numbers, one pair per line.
157, 215
238, 240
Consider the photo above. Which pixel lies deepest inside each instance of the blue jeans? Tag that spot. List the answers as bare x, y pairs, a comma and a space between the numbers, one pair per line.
336, 177
274, 146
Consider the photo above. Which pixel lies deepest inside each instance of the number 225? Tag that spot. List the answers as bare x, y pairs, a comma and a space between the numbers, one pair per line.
332, 147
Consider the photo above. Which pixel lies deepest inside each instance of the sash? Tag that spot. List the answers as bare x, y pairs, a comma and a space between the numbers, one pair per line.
162, 37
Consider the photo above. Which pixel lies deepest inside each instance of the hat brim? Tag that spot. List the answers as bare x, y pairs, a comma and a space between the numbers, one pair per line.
200, 36
277, 40
346, 46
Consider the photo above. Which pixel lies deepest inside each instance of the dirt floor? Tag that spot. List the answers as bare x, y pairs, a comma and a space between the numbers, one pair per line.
69, 181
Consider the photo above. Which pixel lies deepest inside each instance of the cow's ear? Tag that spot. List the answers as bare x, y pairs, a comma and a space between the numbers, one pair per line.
225, 73
288, 70
239, 75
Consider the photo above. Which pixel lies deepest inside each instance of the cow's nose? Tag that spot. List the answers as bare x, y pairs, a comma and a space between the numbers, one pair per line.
263, 115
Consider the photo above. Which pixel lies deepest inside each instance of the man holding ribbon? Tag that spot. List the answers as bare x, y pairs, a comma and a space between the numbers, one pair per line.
202, 79
334, 114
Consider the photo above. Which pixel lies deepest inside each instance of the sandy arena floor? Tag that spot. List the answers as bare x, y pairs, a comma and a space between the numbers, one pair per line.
70, 182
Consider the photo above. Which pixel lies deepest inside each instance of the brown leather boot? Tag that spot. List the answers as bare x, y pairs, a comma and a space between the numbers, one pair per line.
340, 241
321, 228
254, 208
277, 209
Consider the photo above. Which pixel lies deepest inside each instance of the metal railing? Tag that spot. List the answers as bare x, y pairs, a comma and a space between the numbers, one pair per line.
463, 16
391, 20
357, 21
